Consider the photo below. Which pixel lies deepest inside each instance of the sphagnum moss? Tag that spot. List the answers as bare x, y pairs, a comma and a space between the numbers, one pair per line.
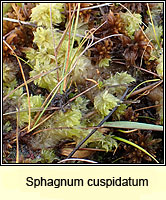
98, 101
71, 119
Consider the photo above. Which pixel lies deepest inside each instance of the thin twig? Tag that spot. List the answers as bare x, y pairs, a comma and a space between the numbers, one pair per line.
78, 35
83, 92
32, 110
93, 7
144, 108
18, 21
78, 159
146, 71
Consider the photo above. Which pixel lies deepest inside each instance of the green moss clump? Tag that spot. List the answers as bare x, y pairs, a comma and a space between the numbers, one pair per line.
81, 104
107, 143
151, 35
47, 156
9, 72
9, 86
120, 111
69, 125
48, 81
131, 22
7, 127
104, 102
41, 14
105, 62
119, 79
43, 59
44, 40
35, 102
47, 139
107, 99
10, 82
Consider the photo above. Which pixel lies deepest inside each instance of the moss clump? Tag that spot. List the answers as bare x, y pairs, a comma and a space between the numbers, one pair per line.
151, 35
105, 62
44, 41
70, 125
48, 81
9, 72
107, 99
120, 80
9, 81
41, 14
120, 111
35, 102
7, 127
107, 143
47, 139
9, 86
46, 156
104, 102
131, 22
43, 59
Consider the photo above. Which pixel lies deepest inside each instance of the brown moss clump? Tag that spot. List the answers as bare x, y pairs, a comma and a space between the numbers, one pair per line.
101, 50
139, 48
144, 140
16, 35
139, 7
133, 7
113, 25
19, 38
84, 15
21, 13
